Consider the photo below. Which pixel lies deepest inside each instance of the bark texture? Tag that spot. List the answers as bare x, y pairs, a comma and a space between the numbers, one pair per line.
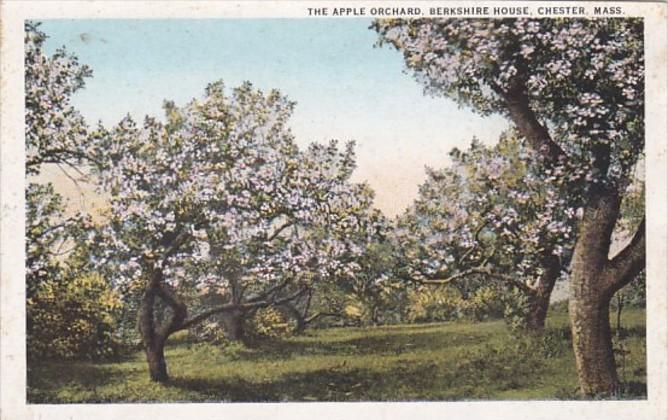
592, 342
539, 299
300, 320
233, 325
594, 280
154, 333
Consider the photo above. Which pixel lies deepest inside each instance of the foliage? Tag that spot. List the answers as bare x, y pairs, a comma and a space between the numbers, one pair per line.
373, 295
45, 232
486, 302
447, 303
268, 323
73, 317
516, 308
208, 331
490, 224
217, 209
223, 183
433, 305
574, 89
55, 132
583, 77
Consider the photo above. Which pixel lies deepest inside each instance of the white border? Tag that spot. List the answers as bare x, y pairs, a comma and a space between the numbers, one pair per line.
12, 344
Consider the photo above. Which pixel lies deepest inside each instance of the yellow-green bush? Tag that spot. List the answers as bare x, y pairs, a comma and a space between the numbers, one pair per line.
434, 304
268, 322
447, 303
485, 302
73, 318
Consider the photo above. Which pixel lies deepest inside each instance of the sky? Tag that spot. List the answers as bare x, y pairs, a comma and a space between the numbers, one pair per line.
345, 88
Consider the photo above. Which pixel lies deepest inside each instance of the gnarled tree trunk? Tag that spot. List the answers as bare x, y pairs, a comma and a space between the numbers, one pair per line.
539, 299
592, 340
294, 313
233, 325
594, 280
153, 344
154, 333
538, 307
157, 366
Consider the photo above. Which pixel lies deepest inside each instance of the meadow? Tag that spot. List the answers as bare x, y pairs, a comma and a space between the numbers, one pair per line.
457, 360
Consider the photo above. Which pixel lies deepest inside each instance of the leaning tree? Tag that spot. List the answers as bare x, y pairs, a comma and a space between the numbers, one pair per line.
218, 200
490, 216
574, 89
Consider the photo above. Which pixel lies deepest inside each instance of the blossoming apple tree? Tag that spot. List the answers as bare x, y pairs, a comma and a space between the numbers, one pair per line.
574, 88
369, 286
491, 215
219, 199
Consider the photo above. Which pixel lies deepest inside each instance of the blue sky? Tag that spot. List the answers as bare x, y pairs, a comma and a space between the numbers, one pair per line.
344, 87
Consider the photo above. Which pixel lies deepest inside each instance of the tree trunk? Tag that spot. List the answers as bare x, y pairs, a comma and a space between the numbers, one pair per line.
233, 325
157, 367
594, 278
538, 307
153, 343
539, 302
300, 320
154, 334
591, 289
592, 343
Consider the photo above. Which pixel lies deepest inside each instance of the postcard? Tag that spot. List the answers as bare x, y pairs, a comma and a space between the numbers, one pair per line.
369, 209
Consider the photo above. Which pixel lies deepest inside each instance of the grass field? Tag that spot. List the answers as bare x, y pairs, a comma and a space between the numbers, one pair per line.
444, 361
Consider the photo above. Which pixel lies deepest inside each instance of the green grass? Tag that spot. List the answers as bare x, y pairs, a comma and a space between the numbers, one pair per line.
443, 361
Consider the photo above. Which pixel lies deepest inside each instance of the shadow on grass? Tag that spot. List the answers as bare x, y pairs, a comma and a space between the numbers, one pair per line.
318, 385
473, 374
382, 345
43, 378
477, 377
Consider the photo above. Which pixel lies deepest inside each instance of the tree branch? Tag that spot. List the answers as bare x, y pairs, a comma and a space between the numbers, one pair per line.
527, 123
320, 315
179, 309
476, 236
265, 294
483, 271
236, 307
630, 261
278, 231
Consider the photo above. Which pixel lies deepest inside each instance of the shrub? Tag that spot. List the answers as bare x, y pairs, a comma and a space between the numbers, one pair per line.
484, 303
433, 305
209, 331
267, 323
516, 311
73, 318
